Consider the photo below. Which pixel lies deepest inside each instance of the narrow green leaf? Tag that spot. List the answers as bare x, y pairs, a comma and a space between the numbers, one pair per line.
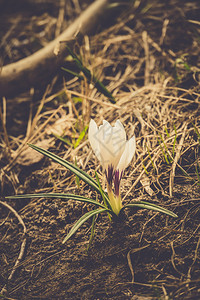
92, 231
174, 143
165, 156
187, 67
167, 151
83, 219
150, 158
81, 136
145, 169
77, 99
73, 73
91, 78
150, 206
77, 178
167, 133
60, 196
63, 140
80, 173
101, 88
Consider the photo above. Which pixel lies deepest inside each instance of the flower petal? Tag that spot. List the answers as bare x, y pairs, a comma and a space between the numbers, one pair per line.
105, 144
93, 138
119, 140
106, 125
119, 125
112, 142
127, 154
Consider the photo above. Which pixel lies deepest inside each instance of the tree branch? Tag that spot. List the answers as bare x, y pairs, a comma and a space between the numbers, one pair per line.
32, 70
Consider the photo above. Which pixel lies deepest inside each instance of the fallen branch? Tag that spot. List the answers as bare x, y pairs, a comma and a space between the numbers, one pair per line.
30, 71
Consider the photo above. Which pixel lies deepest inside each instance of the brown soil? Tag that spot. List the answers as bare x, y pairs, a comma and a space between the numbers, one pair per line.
149, 59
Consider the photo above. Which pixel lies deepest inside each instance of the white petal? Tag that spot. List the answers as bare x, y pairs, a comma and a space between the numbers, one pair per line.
105, 143
112, 141
106, 124
110, 145
119, 125
93, 138
127, 155
119, 139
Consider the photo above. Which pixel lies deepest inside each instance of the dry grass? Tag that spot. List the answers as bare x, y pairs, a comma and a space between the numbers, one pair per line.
157, 100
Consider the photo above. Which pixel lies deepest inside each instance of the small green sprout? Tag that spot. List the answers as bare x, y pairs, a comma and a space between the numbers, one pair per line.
164, 150
115, 153
75, 141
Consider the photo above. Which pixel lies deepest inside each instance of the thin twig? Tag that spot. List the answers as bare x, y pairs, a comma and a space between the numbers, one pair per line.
22, 249
130, 265
3, 121
93, 99
146, 51
175, 161
129, 259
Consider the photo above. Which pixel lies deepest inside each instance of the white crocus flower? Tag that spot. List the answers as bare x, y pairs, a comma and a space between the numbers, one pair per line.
114, 152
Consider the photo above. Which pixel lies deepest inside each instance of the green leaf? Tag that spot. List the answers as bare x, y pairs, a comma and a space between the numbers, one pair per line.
174, 143
167, 132
150, 159
90, 77
80, 173
77, 99
73, 73
60, 196
77, 178
165, 155
187, 67
64, 140
81, 136
150, 206
92, 231
83, 219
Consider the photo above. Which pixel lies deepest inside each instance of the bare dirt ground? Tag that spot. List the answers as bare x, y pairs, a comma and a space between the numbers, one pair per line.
148, 57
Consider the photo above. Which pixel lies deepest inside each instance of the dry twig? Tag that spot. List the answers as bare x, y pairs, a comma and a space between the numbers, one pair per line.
22, 249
